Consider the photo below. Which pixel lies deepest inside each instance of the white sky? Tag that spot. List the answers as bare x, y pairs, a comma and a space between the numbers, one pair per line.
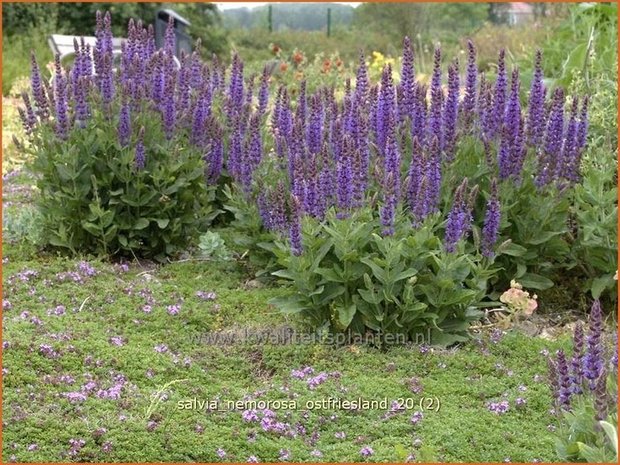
229, 5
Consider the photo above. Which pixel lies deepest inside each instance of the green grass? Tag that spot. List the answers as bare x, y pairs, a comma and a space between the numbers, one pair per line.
36, 411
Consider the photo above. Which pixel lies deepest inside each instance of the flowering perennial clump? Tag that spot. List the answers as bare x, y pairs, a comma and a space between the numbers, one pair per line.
396, 170
585, 373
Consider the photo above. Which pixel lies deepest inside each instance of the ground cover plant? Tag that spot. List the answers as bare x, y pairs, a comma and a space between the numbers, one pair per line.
179, 233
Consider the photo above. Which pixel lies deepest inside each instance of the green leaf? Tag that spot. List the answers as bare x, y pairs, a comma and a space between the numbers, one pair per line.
162, 222
286, 274
345, 315
141, 224
535, 281
599, 285
610, 431
512, 249
288, 305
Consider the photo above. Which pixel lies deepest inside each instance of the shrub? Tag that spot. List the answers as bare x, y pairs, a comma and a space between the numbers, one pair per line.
489, 182
127, 161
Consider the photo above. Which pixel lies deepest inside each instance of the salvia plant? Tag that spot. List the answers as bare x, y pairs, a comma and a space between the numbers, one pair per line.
584, 386
398, 206
460, 161
128, 154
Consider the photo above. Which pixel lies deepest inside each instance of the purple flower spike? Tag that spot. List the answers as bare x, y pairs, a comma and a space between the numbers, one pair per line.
576, 363
61, 99
499, 94
564, 166
390, 185
490, 230
414, 177
385, 108
593, 358
434, 117
469, 101
263, 92
295, 227
536, 106
564, 381
450, 112
459, 219
124, 126
362, 86
433, 172
548, 156
407, 80
40, 100
140, 157
601, 398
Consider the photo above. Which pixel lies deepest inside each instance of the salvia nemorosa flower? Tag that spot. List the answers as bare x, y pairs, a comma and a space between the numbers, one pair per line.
254, 149
361, 83
418, 119
601, 398
486, 110
140, 155
202, 111
314, 130
565, 161
565, 390
107, 79
295, 227
471, 77
124, 125
576, 363
552, 373
407, 80
344, 176
536, 111
301, 109
235, 150
450, 111
263, 92
390, 185
511, 145
492, 218
29, 119
169, 37
433, 172
415, 174
215, 155
459, 219
593, 357
435, 112
552, 144
169, 105
82, 107
326, 180
62, 101
386, 110
499, 95
38, 91
235, 87
574, 161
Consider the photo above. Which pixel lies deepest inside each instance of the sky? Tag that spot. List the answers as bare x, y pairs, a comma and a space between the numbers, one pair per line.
229, 5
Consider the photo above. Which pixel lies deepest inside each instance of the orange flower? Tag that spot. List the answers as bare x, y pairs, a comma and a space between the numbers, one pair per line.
327, 66
275, 48
338, 62
283, 67
298, 58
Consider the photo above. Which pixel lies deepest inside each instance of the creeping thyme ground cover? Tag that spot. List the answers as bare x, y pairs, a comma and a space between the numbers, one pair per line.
87, 344
418, 207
